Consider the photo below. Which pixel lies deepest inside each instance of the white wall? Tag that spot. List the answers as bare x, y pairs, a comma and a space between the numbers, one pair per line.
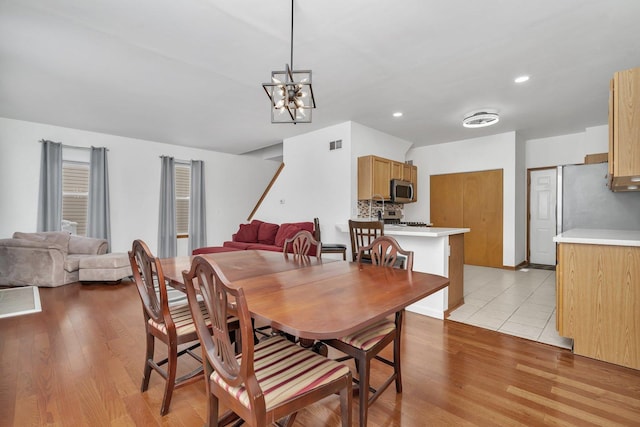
318, 182
233, 183
485, 153
567, 149
314, 182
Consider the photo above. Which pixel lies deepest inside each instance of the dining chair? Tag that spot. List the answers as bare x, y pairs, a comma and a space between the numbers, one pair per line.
303, 244
366, 344
266, 382
171, 324
362, 233
329, 248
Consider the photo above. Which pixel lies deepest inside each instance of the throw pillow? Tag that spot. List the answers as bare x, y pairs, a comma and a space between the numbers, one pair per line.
247, 233
285, 232
267, 233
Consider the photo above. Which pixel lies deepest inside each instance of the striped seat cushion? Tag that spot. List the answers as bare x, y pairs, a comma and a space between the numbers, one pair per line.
368, 337
181, 316
284, 371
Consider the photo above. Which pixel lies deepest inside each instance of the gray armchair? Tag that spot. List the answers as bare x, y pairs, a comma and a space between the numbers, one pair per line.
45, 259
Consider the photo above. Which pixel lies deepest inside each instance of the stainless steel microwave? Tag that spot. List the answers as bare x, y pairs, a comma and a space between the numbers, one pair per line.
401, 191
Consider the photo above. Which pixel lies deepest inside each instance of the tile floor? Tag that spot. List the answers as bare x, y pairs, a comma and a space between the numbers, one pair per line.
520, 303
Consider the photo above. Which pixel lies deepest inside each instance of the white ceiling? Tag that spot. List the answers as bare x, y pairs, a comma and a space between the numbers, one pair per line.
189, 72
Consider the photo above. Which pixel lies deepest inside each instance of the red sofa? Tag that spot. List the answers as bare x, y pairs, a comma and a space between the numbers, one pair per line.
261, 235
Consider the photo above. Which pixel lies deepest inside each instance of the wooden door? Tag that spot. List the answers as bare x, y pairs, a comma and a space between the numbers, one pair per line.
482, 213
471, 200
446, 200
542, 216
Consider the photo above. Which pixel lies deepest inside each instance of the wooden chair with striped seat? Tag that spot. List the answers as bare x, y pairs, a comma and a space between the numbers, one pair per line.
268, 381
363, 233
301, 244
365, 345
170, 323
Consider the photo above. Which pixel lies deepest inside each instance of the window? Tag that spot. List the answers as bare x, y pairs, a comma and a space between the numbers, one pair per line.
183, 191
75, 196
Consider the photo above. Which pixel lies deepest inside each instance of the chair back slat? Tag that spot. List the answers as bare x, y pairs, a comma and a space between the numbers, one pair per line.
221, 302
384, 252
363, 233
149, 278
301, 243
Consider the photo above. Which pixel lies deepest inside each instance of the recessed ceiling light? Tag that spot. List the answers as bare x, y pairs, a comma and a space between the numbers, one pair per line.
397, 114
521, 79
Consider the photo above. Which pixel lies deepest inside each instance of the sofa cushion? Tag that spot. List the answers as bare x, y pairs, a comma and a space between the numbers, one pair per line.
247, 233
267, 233
60, 238
288, 230
87, 245
214, 250
263, 247
239, 245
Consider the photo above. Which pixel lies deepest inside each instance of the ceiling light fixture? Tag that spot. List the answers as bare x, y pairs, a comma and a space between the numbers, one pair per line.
398, 114
290, 92
521, 79
479, 119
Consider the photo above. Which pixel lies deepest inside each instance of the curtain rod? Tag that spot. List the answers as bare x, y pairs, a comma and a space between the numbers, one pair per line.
70, 146
182, 162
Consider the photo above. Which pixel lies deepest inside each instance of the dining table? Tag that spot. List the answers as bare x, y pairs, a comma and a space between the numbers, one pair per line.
312, 298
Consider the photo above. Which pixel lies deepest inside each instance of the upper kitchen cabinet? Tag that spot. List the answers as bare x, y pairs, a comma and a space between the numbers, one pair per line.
624, 131
375, 175
374, 178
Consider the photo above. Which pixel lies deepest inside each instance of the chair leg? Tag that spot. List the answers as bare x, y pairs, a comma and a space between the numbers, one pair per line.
396, 352
212, 409
364, 367
172, 361
147, 366
346, 400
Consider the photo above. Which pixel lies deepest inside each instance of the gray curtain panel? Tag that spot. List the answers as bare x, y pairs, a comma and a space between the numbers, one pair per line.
167, 239
98, 221
197, 208
50, 195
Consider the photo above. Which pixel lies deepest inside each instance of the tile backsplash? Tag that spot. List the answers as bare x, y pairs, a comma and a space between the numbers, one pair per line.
367, 209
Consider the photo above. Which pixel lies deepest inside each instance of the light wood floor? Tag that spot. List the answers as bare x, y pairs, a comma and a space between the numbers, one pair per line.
79, 363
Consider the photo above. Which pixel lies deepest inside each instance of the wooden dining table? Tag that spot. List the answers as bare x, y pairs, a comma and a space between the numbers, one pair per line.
310, 298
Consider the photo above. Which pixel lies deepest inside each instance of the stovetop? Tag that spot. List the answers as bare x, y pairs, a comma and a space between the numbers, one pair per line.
407, 223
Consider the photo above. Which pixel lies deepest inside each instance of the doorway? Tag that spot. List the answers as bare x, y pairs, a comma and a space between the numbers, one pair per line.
541, 224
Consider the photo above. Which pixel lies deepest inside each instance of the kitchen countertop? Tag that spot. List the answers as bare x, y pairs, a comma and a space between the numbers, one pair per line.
599, 237
405, 230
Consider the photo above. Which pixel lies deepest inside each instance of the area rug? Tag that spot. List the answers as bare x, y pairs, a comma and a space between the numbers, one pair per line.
19, 301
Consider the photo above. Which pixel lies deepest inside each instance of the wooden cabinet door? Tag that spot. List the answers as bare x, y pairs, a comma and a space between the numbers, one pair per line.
626, 122
381, 177
482, 210
413, 173
471, 200
446, 200
396, 170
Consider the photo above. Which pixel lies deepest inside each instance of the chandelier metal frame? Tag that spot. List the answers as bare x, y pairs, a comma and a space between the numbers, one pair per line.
290, 92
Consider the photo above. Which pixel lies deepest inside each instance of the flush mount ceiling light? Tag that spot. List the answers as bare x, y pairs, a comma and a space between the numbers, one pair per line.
290, 92
481, 118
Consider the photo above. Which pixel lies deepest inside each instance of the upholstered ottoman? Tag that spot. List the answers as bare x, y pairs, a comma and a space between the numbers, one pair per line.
105, 268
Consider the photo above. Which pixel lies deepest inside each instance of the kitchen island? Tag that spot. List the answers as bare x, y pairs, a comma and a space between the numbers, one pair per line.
437, 251
598, 293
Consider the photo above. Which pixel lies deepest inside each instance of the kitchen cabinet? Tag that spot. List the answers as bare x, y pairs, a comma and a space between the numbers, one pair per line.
472, 200
598, 294
375, 175
624, 131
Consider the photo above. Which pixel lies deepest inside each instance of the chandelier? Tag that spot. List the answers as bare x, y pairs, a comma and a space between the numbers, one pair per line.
290, 92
